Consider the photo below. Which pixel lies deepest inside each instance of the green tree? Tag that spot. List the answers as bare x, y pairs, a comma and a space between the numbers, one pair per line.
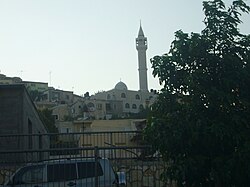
201, 120
48, 120
35, 95
143, 113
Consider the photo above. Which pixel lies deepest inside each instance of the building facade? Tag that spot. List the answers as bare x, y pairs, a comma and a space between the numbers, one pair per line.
124, 101
36, 86
19, 118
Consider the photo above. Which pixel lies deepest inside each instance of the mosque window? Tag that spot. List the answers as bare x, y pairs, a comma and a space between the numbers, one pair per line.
137, 97
134, 106
123, 95
99, 106
127, 105
108, 106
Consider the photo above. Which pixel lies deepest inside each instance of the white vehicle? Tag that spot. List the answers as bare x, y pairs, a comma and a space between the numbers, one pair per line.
65, 173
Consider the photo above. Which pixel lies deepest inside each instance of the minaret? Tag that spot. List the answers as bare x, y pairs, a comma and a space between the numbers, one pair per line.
141, 46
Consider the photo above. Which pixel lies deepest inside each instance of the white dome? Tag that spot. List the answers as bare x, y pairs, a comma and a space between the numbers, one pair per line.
121, 86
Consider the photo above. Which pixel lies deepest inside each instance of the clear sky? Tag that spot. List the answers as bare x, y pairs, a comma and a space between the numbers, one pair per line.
89, 45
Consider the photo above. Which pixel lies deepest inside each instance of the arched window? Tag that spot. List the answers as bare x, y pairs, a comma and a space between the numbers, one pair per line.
123, 95
137, 97
127, 105
141, 107
134, 106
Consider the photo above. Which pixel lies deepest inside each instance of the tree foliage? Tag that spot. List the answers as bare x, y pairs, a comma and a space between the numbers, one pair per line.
35, 95
48, 120
201, 120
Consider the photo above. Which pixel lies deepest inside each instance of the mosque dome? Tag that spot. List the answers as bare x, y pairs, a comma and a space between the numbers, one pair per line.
121, 86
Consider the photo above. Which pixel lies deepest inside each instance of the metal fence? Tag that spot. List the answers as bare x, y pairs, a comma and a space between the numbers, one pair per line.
124, 151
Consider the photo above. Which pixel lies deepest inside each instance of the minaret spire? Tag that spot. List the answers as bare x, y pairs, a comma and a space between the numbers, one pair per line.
141, 46
140, 31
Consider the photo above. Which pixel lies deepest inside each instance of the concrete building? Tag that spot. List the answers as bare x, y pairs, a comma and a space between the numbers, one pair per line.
60, 112
58, 96
20, 125
36, 86
118, 138
105, 126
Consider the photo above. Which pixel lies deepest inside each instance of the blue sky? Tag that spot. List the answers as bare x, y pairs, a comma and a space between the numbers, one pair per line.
89, 45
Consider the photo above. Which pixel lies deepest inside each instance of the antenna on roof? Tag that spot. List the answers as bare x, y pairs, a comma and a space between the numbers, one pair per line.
50, 78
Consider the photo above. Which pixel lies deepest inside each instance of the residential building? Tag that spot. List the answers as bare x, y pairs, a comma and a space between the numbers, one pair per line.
58, 96
40, 87
9, 80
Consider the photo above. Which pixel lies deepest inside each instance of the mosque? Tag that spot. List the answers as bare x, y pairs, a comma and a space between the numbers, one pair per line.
120, 101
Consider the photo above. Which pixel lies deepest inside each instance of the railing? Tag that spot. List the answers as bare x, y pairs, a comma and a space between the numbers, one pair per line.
125, 151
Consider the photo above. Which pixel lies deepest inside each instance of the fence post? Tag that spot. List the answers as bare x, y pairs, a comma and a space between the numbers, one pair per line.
96, 165
111, 142
40, 146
